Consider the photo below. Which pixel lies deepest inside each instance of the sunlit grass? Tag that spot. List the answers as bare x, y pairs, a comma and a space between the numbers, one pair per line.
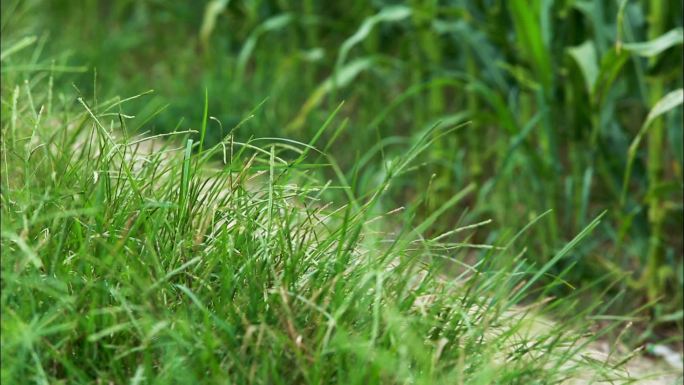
145, 260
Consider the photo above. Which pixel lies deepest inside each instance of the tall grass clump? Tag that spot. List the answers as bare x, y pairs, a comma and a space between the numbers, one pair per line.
159, 259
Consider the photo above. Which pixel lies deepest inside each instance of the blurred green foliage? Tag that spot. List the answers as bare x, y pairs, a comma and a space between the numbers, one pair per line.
557, 93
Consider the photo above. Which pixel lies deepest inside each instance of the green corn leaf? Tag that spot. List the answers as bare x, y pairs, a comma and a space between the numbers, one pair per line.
658, 45
272, 24
665, 104
609, 69
531, 37
211, 13
585, 57
388, 14
346, 74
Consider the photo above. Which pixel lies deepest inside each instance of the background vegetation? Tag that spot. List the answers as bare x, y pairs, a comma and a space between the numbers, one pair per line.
573, 106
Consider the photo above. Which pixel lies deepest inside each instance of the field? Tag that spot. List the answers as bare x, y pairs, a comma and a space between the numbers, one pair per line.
457, 192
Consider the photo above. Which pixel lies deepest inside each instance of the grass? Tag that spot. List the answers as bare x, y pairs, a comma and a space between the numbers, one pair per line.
421, 187
131, 259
